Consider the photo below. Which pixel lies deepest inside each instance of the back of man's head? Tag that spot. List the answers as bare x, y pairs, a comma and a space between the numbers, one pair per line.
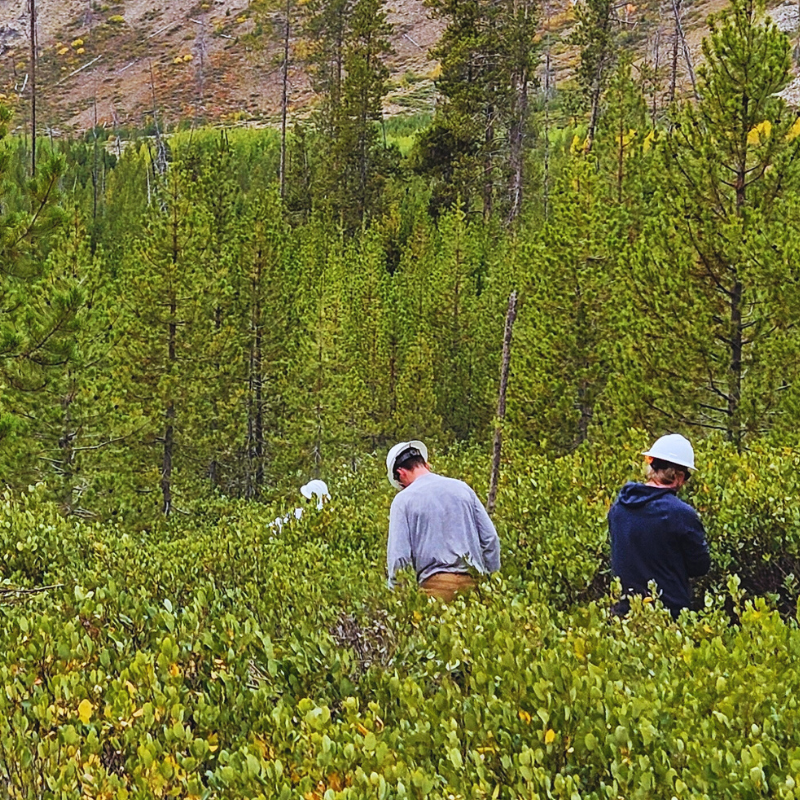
409, 459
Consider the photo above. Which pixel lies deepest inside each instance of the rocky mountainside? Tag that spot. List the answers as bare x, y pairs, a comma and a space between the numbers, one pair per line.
192, 59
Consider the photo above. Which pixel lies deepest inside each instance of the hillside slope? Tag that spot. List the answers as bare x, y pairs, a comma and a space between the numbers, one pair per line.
191, 60
192, 57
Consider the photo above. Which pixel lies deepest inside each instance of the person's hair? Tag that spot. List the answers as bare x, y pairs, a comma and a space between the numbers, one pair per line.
665, 472
408, 459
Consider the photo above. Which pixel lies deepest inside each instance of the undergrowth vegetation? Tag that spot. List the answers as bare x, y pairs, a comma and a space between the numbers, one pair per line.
210, 656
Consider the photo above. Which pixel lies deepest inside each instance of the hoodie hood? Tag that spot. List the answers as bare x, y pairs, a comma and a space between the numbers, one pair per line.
636, 495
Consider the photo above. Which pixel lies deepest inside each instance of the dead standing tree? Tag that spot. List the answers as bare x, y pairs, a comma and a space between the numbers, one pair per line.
679, 45
511, 315
32, 16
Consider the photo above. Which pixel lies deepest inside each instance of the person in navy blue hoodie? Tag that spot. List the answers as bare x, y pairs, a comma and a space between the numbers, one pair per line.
655, 536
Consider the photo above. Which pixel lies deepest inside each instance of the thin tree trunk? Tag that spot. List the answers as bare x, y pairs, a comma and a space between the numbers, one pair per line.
595, 112
511, 315
736, 335
673, 79
517, 143
656, 82
33, 85
214, 465
584, 404
285, 96
488, 178
166, 465
737, 347
172, 356
685, 47
258, 422
546, 167
95, 179
620, 157
66, 445
169, 430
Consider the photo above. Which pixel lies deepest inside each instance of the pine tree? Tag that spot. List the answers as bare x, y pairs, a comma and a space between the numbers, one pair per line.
348, 46
165, 294
730, 162
564, 335
212, 170
621, 134
313, 382
37, 313
73, 417
477, 138
457, 278
266, 315
595, 34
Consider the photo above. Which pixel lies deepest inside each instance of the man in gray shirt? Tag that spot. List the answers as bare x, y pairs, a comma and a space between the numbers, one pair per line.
436, 524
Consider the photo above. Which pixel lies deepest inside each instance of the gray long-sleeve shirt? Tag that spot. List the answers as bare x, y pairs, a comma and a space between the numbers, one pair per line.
438, 524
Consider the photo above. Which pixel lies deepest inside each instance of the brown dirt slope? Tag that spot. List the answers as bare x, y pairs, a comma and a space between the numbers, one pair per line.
117, 60
187, 58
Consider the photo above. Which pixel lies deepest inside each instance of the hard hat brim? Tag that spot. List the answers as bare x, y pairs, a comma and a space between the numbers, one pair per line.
677, 460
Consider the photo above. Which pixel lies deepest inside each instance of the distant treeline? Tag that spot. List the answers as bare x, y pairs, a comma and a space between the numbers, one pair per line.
170, 326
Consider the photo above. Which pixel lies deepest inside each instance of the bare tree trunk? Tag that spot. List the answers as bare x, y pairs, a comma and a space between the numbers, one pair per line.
673, 78
511, 315
169, 429
656, 81
200, 47
546, 167
685, 47
488, 168
517, 143
33, 85
285, 95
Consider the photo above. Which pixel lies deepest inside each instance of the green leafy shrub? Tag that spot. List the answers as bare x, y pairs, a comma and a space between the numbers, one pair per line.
215, 657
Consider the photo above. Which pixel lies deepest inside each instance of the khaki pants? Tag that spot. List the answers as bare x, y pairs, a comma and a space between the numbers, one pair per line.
446, 585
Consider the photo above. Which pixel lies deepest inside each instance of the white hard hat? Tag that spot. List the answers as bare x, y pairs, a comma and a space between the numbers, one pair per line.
396, 451
315, 488
673, 448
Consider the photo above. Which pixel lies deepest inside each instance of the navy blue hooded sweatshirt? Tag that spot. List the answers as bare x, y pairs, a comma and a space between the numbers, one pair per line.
656, 537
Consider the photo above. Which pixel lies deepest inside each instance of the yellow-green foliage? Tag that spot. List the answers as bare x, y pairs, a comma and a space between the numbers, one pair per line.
216, 657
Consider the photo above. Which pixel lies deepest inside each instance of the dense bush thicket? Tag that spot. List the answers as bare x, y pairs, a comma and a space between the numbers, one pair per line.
212, 657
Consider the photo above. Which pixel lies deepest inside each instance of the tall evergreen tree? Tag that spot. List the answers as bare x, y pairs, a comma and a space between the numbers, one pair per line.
37, 313
266, 316
595, 34
564, 332
476, 141
457, 278
730, 162
165, 283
